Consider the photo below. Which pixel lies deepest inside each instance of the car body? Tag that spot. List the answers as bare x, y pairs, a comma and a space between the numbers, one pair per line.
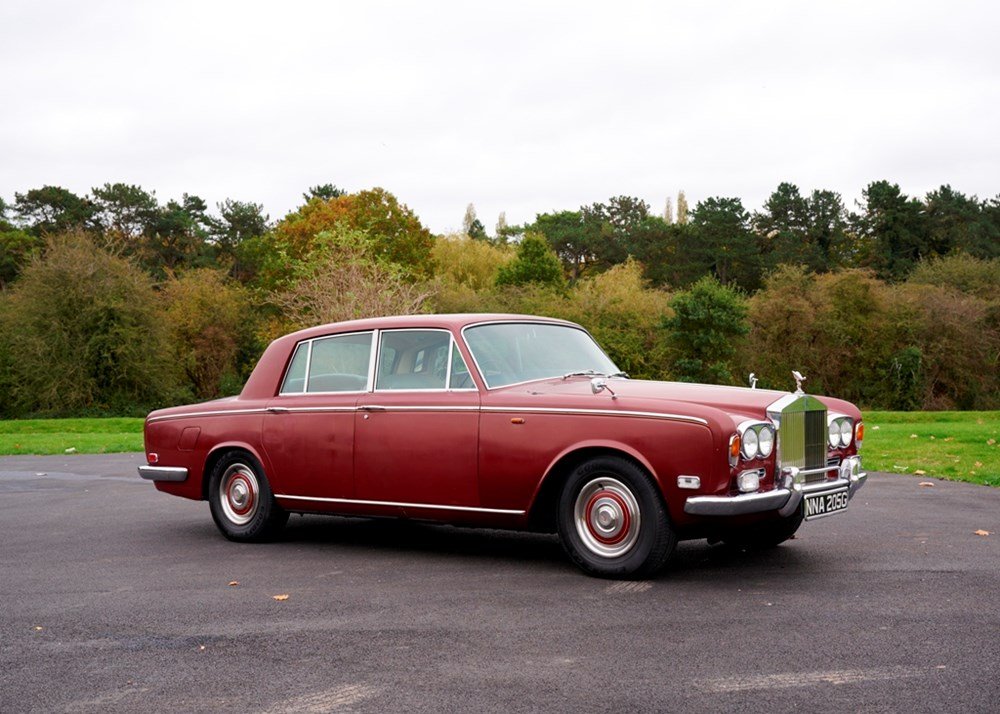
505, 421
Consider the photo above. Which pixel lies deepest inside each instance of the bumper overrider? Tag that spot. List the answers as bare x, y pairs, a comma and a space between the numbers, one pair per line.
787, 498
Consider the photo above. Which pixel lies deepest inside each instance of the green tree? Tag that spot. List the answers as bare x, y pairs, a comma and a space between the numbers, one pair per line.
471, 225
52, 209
565, 234
238, 221
17, 247
959, 223
82, 332
708, 324
724, 242
535, 263
610, 228
125, 210
895, 229
324, 192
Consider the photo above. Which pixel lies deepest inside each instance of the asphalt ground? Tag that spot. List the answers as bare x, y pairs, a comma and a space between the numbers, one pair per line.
114, 597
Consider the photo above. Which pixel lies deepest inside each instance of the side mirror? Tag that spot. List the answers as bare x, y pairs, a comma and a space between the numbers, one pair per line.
599, 384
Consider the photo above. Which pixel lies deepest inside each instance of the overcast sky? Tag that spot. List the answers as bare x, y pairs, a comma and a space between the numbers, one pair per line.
516, 107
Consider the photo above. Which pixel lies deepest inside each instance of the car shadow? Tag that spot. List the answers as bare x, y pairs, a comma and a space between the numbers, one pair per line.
692, 559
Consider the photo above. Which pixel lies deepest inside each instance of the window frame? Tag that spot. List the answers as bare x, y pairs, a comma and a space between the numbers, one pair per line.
369, 377
452, 349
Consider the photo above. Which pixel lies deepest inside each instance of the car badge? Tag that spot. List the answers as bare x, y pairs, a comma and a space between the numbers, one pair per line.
799, 379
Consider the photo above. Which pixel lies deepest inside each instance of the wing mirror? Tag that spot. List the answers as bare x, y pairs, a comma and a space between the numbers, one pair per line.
599, 384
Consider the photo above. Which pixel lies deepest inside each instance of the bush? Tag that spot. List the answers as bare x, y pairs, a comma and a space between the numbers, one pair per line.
82, 333
535, 263
964, 273
709, 322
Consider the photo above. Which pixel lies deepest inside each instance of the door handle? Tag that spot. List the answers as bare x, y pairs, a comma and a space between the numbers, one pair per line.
371, 408
278, 410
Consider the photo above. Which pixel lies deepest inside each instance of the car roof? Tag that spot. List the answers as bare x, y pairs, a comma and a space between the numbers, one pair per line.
454, 321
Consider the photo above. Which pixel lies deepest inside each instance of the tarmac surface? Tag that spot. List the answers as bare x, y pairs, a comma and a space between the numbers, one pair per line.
115, 597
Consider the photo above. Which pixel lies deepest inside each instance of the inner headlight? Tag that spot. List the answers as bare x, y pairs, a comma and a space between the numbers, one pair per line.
749, 443
846, 431
765, 441
834, 437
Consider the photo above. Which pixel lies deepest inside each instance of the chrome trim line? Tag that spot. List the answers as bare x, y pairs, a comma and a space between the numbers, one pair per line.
163, 473
395, 504
211, 413
599, 412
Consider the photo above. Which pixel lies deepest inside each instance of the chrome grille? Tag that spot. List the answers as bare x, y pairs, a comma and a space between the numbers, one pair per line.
802, 435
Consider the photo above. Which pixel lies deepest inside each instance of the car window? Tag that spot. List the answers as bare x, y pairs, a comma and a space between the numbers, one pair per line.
413, 359
295, 378
460, 377
510, 353
340, 363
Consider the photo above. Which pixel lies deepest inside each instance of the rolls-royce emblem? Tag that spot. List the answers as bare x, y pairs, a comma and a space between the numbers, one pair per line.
753, 380
799, 379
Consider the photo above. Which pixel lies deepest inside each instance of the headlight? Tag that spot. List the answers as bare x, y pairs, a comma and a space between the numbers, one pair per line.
834, 435
765, 441
749, 444
846, 431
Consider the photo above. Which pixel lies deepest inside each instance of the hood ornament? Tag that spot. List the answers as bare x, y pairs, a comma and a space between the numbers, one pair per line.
799, 379
753, 380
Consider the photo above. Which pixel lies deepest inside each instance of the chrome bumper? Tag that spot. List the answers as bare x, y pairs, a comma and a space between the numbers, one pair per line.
163, 473
785, 499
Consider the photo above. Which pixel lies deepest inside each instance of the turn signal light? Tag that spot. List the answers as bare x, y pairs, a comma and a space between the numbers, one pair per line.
859, 433
734, 449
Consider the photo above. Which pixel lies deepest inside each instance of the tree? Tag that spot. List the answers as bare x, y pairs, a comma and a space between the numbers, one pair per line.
535, 263
682, 208
53, 209
501, 227
708, 323
17, 247
725, 242
895, 228
238, 222
125, 210
177, 236
610, 228
668, 211
324, 192
783, 227
83, 332
565, 234
959, 223
471, 225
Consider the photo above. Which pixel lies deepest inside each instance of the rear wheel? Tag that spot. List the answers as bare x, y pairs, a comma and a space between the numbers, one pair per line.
612, 521
243, 506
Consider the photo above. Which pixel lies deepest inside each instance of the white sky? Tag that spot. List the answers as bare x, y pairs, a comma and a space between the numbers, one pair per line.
516, 107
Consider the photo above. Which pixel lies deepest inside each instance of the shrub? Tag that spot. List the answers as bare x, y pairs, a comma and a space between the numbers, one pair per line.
82, 332
708, 324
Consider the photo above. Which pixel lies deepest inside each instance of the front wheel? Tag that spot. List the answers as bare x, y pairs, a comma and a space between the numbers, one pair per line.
612, 521
243, 506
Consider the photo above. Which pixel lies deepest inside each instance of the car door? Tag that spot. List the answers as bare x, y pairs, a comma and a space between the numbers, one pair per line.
308, 429
416, 435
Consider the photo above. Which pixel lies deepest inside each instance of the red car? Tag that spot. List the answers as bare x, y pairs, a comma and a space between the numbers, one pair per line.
506, 421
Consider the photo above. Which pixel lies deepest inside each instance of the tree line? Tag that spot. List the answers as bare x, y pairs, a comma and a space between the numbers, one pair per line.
116, 302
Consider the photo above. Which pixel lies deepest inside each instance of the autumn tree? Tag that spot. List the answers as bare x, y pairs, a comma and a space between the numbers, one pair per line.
682, 208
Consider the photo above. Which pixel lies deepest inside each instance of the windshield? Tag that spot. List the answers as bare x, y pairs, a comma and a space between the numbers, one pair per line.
508, 353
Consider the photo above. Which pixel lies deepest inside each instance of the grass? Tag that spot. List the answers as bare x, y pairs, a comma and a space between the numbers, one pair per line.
55, 436
962, 446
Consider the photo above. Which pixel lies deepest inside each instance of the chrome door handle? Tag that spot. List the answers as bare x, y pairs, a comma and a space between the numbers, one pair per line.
278, 410
371, 408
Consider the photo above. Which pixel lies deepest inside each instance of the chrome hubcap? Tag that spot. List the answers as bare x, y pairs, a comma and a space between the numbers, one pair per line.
607, 517
239, 494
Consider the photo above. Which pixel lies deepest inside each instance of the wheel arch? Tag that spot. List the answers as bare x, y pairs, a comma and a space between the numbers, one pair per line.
542, 511
220, 450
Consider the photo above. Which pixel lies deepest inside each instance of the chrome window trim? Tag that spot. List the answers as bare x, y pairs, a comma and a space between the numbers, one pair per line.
556, 323
399, 504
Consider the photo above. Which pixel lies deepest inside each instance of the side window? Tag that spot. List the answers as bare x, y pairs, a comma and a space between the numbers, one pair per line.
460, 377
295, 378
340, 364
413, 359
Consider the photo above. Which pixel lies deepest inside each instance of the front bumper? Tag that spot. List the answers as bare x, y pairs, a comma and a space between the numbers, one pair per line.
163, 473
786, 499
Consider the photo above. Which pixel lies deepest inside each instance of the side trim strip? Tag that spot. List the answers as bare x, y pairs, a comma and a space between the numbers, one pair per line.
395, 504
212, 413
600, 412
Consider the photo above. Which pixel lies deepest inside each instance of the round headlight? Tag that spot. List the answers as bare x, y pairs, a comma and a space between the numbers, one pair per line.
749, 444
846, 431
765, 441
834, 434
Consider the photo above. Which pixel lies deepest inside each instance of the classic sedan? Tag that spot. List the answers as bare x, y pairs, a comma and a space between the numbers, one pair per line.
505, 421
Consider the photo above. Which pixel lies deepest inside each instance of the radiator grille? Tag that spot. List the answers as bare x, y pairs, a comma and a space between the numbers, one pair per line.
802, 435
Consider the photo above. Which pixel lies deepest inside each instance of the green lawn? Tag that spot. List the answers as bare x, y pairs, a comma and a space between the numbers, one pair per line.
962, 446
55, 436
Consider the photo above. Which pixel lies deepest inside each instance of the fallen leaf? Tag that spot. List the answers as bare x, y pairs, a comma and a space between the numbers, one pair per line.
927, 484
201, 648
233, 583
981, 532
875, 427
913, 436
949, 438
933, 437
38, 628
978, 464
71, 450
280, 598
920, 472
991, 442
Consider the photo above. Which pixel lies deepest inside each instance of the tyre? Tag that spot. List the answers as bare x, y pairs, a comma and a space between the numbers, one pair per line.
765, 535
612, 521
243, 506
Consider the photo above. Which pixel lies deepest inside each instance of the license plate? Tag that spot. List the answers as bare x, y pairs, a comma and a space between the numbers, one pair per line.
825, 504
